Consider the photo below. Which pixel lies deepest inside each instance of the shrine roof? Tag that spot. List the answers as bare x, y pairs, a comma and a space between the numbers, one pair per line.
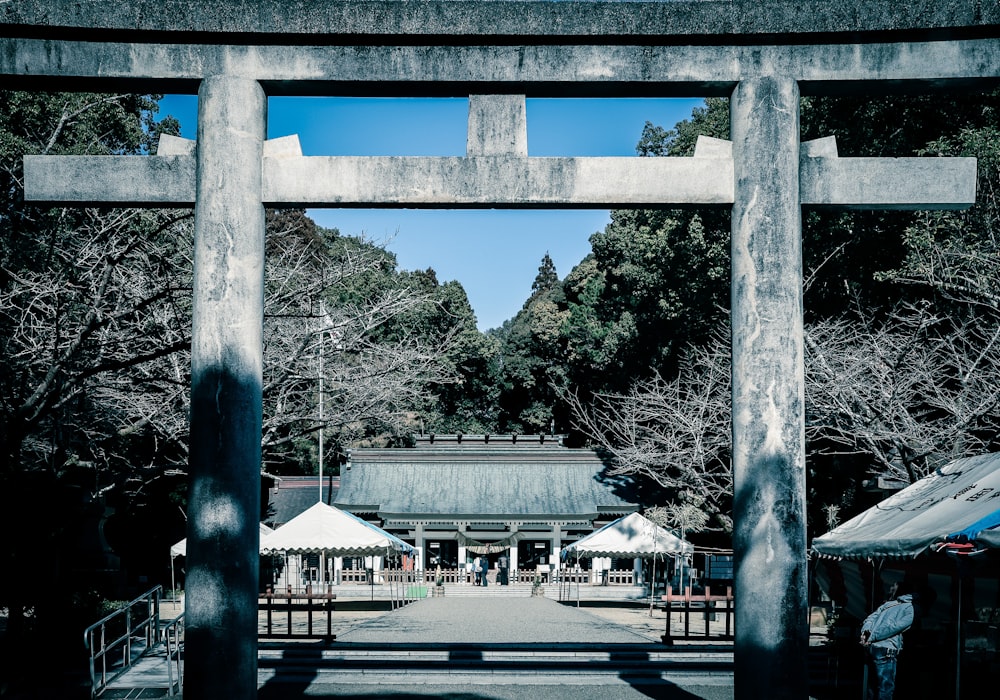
292, 495
482, 482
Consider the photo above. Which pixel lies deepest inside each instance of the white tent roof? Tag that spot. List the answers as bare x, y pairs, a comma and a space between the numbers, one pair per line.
960, 501
180, 549
632, 535
323, 528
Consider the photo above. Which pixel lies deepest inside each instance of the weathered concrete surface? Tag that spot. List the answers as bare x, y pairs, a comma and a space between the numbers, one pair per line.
769, 535
883, 183
506, 180
534, 70
498, 126
127, 181
226, 367
672, 20
487, 181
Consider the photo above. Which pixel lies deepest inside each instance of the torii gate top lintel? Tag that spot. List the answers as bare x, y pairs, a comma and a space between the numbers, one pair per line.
665, 21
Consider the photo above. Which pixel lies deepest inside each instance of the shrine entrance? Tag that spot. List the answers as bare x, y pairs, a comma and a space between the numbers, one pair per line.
762, 54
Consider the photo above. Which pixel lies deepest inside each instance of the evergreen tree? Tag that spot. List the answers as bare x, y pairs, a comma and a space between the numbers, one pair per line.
546, 278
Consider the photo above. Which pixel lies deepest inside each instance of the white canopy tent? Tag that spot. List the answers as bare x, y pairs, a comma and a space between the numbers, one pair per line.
330, 532
954, 511
180, 550
631, 536
334, 532
959, 503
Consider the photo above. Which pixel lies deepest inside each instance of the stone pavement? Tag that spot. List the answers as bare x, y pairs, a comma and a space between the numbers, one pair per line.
494, 649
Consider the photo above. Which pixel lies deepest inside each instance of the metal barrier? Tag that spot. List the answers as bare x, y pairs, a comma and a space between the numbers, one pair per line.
130, 631
289, 603
173, 639
707, 605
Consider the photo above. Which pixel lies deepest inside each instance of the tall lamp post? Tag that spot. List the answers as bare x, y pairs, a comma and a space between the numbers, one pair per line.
322, 335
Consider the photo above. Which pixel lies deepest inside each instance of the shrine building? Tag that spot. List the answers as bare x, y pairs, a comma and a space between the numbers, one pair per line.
456, 496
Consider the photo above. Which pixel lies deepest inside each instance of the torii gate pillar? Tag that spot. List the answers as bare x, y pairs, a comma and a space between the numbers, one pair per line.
769, 539
226, 377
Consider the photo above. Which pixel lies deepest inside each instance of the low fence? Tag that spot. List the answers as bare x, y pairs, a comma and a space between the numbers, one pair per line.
620, 577
704, 608
427, 578
355, 576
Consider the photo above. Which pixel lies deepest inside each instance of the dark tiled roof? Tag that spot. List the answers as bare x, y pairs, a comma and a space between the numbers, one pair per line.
293, 495
481, 481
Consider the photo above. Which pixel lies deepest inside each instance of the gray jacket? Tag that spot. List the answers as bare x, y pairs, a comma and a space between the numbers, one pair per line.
886, 625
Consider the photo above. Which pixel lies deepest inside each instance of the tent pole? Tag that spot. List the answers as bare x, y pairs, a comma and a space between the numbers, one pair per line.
652, 583
958, 637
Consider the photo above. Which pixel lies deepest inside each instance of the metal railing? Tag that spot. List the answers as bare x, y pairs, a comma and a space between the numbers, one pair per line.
288, 604
173, 640
117, 640
707, 606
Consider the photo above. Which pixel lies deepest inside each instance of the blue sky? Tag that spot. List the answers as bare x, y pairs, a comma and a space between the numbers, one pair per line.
494, 254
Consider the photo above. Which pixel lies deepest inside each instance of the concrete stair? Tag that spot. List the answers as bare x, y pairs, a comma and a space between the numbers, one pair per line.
514, 590
569, 664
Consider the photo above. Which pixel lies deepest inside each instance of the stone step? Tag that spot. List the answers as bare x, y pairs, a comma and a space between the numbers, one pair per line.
342, 653
514, 659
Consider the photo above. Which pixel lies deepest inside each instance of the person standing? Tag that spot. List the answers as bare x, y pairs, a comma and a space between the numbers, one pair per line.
477, 570
882, 636
502, 568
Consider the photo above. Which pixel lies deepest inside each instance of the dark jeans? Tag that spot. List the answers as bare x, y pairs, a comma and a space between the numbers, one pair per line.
885, 672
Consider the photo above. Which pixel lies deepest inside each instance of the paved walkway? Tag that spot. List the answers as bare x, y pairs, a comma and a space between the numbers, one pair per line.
530, 647
490, 621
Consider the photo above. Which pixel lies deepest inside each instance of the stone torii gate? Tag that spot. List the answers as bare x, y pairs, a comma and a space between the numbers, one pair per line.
759, 53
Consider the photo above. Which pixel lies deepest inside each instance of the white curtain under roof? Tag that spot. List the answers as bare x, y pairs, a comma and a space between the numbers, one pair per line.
324, 528
631, 536
488, 547
959, 502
